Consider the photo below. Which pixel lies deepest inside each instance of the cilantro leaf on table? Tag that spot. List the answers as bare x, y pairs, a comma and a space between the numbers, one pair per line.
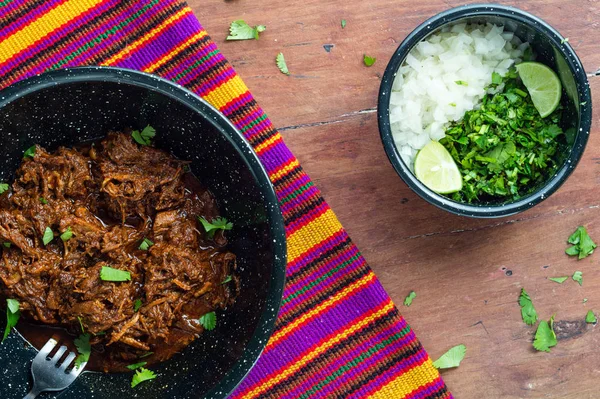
452, 358
409, 298
280, 60
145, 136
84, 348
369, 61
142, 375
12, 315
240, 30
558, 280
108, 273
343, 23
48, 236
578, 277
582, 243
590, 318
528, 312
219, 223
208, 321
3, 188
545, 338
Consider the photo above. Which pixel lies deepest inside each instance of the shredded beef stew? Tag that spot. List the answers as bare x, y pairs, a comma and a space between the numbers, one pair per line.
129, 207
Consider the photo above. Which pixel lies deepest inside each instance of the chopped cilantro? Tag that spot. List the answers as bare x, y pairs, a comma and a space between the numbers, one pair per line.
585, 300
590, 317
219, 223
452, 358
369, 61
503, 149
226, 280
565, 40
67, 234
81, 324
6, 244
496, 78
209, 321
136, 365
240, 30
12, 316
43, 200
462, 82
3, 188
582, 244
137, 304
578, 277
409, 298
558, 280
146, 354
545, 338
280, 61
142, 375
48, 236
528, 312
145, 136
84, 348
30, 152
107, 273
343, 23
146, 243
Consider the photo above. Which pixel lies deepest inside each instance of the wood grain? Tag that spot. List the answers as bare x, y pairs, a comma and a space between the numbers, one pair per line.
467, 273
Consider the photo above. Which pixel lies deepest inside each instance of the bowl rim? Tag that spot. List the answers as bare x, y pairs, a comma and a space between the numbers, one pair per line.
453, 15
266, 323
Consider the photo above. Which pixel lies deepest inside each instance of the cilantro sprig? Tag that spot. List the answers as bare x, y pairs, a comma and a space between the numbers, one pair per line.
240, 30
209, 321
142, 375
82, 343
145, 136
211, 228
504, 149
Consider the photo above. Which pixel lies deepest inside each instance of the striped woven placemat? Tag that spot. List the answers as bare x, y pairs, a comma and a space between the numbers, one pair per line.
338, 333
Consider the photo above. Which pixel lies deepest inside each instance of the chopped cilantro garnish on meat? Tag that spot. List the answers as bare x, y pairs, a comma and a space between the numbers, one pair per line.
209, 321
30, 152
107, 273
67, 234
48, 236
137, 304
226, 280
145, 244
43, 200
219, 223
84, 348
136, 365
12, 316
145, 136
3, 188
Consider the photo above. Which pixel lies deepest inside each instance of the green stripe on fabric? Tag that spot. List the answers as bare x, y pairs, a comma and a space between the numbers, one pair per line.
320, 279
297, 192
354, 362
195, 64
5, 2
254, 123
104, 35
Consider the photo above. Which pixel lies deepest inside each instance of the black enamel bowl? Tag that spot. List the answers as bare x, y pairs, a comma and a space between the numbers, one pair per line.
66, 107
551, 49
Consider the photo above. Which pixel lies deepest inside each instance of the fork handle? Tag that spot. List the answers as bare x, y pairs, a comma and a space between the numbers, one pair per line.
33, 393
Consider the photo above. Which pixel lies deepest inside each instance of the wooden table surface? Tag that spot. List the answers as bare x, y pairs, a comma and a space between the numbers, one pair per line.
467, 273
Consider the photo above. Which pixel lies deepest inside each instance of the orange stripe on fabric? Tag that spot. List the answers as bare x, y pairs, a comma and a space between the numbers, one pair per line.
408, 382
41, 27
175, 51
291, 369
155, 31
317, 231
321, 308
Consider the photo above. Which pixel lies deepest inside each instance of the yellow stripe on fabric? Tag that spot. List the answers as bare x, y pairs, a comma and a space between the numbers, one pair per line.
282, 172
263, 146
155, 31
175, 51
45, 24
226, 92
312, 234
408, 382
322, 307
291, 369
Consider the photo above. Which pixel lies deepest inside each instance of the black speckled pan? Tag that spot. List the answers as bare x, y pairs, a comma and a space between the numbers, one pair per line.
65, 107
550, 48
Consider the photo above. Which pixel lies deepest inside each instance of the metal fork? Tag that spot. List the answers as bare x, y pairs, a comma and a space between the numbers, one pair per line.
48, 375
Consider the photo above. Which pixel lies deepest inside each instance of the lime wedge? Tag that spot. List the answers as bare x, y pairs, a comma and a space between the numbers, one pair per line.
436, 169
543, 85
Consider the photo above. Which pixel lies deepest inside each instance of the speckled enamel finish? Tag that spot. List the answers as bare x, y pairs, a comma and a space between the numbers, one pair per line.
69, 106
550, 49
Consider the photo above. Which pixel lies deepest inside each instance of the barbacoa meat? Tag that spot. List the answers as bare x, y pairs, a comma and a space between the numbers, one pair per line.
112, 195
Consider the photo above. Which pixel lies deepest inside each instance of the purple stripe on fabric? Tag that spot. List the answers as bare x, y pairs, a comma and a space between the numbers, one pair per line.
188, 61
307, 215
324, 372
51, 38
208, 87
430, 390
31, 16
193, 75
260, 128
340, 316
236, 103
275, 155
301, 198
313, 253
294, 303
153, 50
300, 181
